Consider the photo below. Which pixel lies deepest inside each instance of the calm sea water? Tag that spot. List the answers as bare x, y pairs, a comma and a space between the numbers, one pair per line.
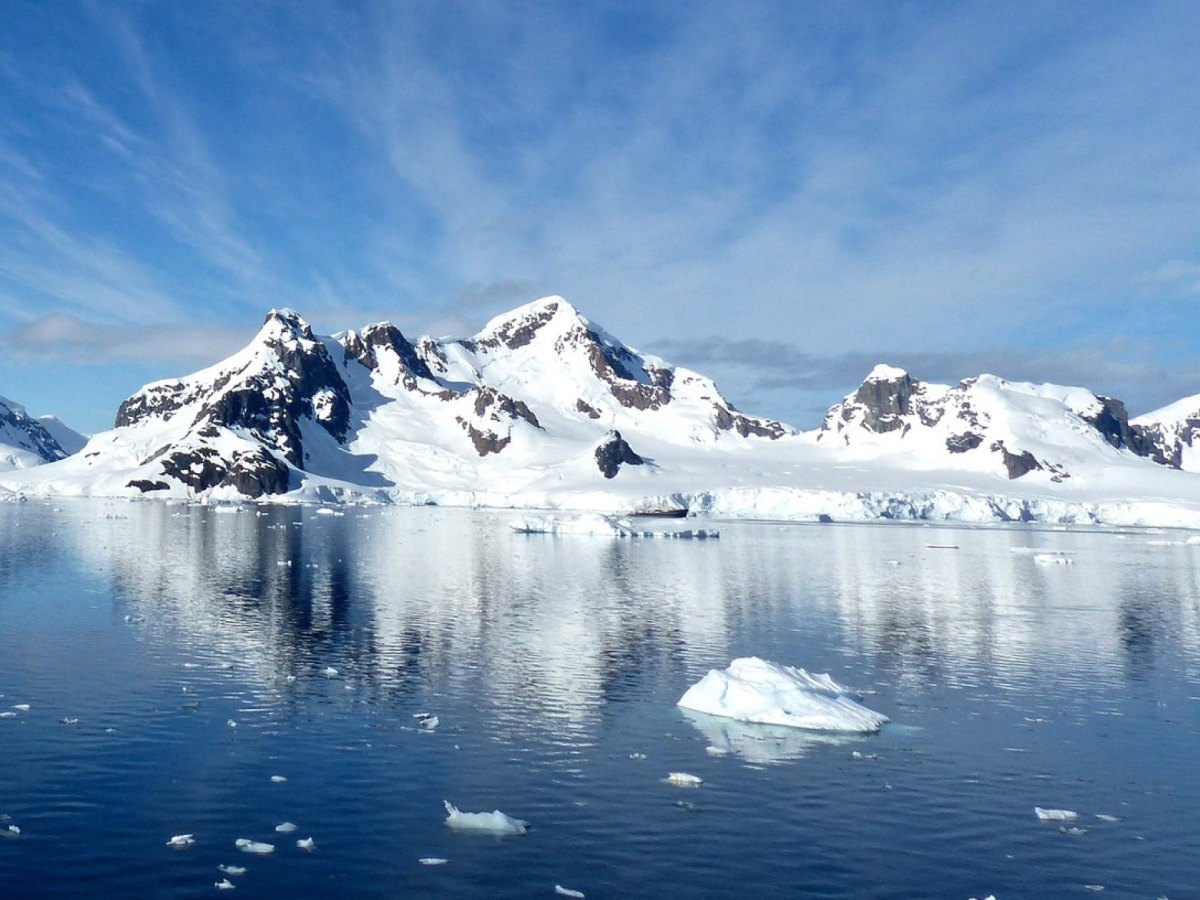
553, 665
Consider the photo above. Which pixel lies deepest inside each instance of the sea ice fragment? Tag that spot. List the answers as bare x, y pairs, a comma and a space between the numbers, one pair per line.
495, 822
257, 847
1055, 815
757, 690
285, 827
181, 841
684, 779
567, 892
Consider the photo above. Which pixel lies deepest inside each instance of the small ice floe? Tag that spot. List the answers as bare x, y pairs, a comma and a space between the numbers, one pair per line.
134, 620
1055, 815
1052, 559
432, 861
8, 714
1094, 888
1105, 817
10, 831
636, 755
308, 845
224, 885
329, 672
567, 892
68, 720
256, 847
716, 751
278, 779
22, 707
290, 679
231, 723
858, 755
684, 779
1073, 831
426, 721
181, 841
756, 690
988, 897
233, 870
286, 827
494, 822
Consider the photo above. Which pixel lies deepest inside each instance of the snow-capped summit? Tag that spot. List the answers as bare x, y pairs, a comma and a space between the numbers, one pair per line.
987, 422
24, 441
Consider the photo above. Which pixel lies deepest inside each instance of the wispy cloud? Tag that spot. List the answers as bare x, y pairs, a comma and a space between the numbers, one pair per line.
65, 338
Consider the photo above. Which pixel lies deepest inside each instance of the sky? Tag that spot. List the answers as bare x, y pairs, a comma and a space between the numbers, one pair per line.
779, 195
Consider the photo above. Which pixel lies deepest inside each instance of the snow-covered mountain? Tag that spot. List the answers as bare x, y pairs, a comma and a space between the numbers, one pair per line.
539, 398
24, 441
68, 438
543, 408
986, 424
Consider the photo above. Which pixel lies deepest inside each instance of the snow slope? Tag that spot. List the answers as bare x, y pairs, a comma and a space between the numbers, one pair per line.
544, 409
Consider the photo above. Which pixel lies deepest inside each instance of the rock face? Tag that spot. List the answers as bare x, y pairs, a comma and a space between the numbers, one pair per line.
1171, 435
24, 441
1013, 428
613, 453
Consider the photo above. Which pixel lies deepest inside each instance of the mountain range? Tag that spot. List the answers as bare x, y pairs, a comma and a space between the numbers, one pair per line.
543, 408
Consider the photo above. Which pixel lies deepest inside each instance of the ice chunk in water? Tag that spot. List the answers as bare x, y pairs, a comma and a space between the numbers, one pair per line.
567, 892
285, 827
233, 870
1055, 815
756, 690
495, 822
432, 861
279, 779
181, 841
307, 844
684, 779
258, 847
223, 885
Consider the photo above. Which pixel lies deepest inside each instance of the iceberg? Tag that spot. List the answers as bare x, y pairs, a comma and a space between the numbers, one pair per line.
684, 779
1055, 815
757, 690
181, 841
760, 744
257, 847
494, 822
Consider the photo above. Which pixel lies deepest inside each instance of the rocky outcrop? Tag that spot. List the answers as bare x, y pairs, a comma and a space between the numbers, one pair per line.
613, 453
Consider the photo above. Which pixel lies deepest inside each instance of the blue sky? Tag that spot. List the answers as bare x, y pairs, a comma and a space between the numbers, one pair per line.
777, 194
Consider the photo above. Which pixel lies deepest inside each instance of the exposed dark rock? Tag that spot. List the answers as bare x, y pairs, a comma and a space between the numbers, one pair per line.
587, 409
485, 441
727, 418
363, 347
961, 443
884, 402
145, 485
516, 332
613, 453
486, 398
1163, 449
252, 473
1017, 464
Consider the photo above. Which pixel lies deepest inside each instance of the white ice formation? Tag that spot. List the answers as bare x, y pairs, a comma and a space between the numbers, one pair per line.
494, 822
756, 690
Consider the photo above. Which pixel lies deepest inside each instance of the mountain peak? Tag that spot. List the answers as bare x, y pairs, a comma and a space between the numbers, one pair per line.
884, 372
284, 322
520, 326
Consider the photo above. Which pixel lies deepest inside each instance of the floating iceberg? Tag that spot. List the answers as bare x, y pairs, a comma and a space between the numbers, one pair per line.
756, 690
432, 861
1055, 815
224, 885
684, 779
256, 847
307, 844
494, 822
605, 526
285, 827
760, 744
567, 892
181, 841
233, 870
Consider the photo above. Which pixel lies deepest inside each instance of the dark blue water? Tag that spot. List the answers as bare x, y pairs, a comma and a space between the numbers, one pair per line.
553, 664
